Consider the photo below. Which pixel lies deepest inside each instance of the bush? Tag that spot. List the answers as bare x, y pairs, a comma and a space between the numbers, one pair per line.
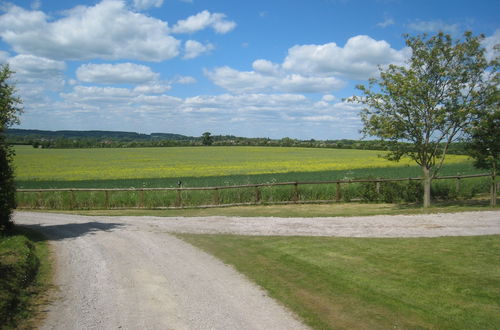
8, 189
18, 266
392, 192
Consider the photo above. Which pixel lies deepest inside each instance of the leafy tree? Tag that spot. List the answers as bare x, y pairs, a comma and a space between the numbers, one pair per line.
207, 139
429, 102
10, 107
484, 142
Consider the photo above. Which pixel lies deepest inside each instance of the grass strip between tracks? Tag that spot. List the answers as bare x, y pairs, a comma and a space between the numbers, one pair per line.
370, 283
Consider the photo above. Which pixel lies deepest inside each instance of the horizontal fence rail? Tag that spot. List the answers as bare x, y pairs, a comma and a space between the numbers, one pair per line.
216, 202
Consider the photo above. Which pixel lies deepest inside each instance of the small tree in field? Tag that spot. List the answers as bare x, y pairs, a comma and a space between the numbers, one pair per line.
207, 139
424, 106
9, 108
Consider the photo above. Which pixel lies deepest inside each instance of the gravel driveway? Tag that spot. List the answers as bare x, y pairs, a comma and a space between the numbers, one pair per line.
130, 273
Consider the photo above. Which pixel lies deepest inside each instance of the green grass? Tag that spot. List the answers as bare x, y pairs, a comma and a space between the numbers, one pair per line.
361, 283
401, 192
300, 210
25, 268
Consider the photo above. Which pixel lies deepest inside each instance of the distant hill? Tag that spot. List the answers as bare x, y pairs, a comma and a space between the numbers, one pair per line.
117, 139
30, 134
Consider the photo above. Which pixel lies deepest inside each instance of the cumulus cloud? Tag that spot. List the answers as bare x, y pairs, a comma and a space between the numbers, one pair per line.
194, 49
35, 67
358, 59
202, 21
36, 75
266, 67
107, 30
312, 68
434, 26
155, 88
146, 4
252, 81
184, 80
489, 44
123, 73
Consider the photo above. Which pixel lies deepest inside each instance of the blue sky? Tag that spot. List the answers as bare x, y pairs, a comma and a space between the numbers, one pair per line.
271, 68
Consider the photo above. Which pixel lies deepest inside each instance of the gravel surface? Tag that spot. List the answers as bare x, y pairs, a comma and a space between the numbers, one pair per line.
130, 273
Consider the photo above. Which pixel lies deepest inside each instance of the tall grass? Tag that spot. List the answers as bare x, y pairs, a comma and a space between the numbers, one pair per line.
388, 192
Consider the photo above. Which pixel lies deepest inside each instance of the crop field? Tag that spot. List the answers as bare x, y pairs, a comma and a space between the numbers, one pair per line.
138, 163
219, 166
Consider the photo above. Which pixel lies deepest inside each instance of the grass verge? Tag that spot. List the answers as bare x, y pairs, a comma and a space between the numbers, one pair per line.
369, 283
25, 268
296, 210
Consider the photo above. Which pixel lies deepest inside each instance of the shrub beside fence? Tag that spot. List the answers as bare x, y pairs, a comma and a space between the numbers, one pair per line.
367, 190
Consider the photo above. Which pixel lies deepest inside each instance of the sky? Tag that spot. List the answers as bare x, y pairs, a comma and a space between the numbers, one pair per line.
260, 68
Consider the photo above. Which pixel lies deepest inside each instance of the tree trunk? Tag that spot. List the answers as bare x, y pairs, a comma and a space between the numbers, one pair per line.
493, 187
427, 186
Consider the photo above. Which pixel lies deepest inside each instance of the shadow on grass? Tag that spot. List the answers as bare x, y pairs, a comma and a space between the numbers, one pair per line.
450, 203
71, 230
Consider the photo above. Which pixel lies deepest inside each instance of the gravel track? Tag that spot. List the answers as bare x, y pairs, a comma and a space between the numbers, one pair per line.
130, 273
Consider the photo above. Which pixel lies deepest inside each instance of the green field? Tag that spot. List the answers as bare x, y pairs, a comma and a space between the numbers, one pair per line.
202, 166
372, 283
220, 166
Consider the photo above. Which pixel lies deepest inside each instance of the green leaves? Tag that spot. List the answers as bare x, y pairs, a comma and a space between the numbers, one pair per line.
430, 101
10, 104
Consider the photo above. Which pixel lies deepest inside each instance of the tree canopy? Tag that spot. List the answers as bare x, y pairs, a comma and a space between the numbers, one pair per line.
10, 107
429, 102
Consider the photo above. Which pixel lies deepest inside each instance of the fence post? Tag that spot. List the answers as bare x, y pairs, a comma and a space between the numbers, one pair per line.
457, 185
257, 195
338, 195
72, 204
493, 201
295, 192
142, 199
106, 199
178, 201
378, 188
39, 200
216, 200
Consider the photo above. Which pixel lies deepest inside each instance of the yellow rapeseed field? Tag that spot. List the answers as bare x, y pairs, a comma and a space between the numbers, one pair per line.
130, 163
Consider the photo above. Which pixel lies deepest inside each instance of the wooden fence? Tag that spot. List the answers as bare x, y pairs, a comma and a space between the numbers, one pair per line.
257, 194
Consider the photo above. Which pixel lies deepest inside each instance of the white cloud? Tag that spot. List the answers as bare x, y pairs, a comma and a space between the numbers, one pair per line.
358, 59
107, 30
146, 4
36, 4
387, 22
266, 67
251, 81
156, 88
434, 26
123, 73
35, 67
312, 68
321, 118
4, 56
328, 98
194, 49
185, 80
202, 21
34, 76
489, 44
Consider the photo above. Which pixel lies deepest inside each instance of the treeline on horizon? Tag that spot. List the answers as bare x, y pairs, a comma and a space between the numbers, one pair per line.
115, 139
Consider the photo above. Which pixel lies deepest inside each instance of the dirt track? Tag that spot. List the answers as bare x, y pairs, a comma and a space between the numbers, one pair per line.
129, 273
